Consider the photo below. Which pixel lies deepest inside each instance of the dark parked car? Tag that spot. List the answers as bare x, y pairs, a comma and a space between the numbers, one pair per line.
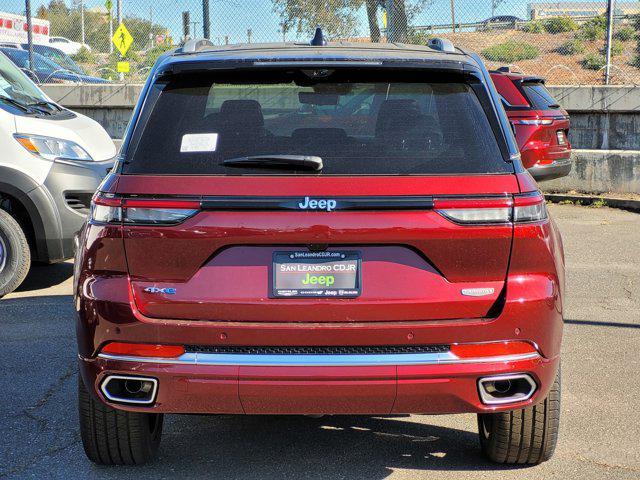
46, 70
501, 21
56, 55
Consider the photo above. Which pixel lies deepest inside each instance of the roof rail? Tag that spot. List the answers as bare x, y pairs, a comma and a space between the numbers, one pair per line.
441, 44
196, 44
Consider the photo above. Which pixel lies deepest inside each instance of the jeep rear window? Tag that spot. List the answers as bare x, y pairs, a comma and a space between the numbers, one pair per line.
359, 124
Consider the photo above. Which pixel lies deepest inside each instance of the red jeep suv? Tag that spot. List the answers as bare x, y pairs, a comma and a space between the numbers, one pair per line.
319, 229
540, 124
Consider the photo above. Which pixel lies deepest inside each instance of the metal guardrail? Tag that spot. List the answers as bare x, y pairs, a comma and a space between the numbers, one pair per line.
514, 25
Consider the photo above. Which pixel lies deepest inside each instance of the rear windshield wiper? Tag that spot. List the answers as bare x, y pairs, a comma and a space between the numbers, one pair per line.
293, 162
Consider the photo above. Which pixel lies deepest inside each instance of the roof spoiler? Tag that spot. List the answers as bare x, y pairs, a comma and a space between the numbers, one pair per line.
196, 44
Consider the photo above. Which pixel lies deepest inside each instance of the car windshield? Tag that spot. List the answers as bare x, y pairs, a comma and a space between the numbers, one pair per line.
357, 124
21, 58
15, 85
57, 56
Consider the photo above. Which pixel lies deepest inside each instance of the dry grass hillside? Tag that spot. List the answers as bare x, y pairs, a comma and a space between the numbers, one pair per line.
558, 69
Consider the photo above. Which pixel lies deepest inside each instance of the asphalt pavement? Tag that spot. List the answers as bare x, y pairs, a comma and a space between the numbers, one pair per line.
600, 426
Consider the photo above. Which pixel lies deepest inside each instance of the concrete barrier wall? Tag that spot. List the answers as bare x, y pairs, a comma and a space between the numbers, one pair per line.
600, 171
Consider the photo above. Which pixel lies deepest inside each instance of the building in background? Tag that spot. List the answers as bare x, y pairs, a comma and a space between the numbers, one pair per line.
579, 9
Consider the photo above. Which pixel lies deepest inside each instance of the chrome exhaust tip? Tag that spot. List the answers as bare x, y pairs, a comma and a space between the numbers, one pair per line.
502, 389
130, 390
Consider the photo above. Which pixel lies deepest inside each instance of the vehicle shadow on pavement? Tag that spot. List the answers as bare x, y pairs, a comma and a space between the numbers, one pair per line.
303, 447
596, 323
45, 276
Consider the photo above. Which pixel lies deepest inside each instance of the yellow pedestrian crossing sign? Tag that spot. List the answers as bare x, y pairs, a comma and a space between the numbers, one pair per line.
122, 39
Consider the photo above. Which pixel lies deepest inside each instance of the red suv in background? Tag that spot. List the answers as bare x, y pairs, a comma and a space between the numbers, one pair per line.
541, 126
327, 229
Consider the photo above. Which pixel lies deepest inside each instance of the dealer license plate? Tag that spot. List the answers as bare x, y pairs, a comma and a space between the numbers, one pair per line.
316, 274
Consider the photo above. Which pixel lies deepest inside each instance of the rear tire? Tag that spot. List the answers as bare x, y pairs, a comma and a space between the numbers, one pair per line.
116, 437
525, 437
15, 254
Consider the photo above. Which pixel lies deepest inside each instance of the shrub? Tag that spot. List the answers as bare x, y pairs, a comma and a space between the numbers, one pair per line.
572, 47
593, 61
594, 29
418, 37
533, 27
84, 56
617, 47
511, 51
560, 25
155, 52
624, 34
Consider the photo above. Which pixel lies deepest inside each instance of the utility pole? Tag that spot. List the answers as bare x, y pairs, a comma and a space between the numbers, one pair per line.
82, 20
607, 70
249, 34
110, 14
186, 24
27, 5
206, 27
150, 26
119, 11
194, 28
453, 16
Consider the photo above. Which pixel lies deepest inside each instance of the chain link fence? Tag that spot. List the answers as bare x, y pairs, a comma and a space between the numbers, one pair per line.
566, 42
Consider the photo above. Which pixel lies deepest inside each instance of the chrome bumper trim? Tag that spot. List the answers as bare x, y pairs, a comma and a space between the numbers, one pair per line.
318, 360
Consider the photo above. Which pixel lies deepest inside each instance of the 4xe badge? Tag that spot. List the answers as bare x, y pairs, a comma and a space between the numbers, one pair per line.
167, 291
321, 204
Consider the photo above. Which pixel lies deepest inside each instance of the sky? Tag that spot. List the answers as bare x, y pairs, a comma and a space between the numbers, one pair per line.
233, 17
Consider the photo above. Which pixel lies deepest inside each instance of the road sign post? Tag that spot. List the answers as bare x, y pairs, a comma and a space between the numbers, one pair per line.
122, 40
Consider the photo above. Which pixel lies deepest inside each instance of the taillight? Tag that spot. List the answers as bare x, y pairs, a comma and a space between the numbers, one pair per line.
475, 210
498, 210
110, 209
537, 121
529, 208
106, 209
143, 350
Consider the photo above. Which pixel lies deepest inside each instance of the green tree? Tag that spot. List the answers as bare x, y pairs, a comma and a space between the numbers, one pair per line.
339, 18
336, 17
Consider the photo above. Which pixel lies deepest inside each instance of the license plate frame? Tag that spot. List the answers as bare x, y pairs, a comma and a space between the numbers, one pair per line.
323, 260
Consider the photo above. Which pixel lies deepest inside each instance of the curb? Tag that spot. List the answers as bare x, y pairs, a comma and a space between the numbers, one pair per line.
621, 203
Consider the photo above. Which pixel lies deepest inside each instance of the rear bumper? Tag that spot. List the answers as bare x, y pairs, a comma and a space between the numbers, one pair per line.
225, 388
558, 169
532, 312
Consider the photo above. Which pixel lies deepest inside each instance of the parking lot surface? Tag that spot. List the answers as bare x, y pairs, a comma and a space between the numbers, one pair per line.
599, 436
